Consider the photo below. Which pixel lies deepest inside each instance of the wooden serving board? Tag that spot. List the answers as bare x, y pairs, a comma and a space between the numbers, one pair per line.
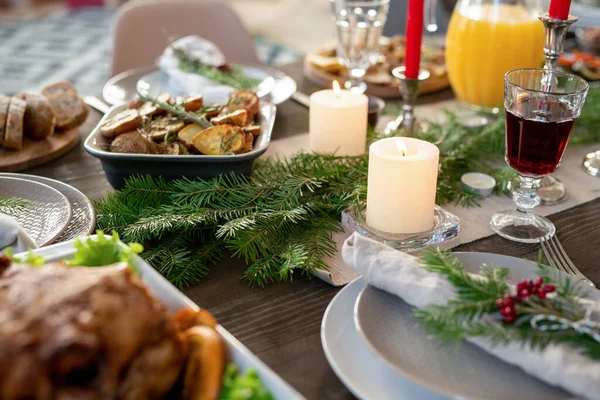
325, 79
39, 152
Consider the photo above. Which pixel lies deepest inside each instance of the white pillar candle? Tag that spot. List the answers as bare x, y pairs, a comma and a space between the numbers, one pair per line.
338, 122
401, 185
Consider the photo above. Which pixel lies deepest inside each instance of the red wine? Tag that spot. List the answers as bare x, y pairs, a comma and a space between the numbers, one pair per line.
535, 144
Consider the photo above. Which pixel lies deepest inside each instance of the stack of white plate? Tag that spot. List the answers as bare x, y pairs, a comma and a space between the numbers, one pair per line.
57, 212
379, 351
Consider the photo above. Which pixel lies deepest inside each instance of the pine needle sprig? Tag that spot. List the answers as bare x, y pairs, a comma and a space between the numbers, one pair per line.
474, 311
14, 207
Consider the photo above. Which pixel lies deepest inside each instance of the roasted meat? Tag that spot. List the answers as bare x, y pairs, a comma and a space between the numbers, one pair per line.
84, 333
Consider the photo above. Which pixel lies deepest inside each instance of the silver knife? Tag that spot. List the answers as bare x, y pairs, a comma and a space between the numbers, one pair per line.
96, 104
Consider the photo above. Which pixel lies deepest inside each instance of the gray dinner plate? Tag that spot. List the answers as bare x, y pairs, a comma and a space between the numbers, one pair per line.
122, 88
49, 211
464, 371
83, 214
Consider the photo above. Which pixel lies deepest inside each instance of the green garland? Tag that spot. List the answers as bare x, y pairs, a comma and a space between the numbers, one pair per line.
280, 219
535, 313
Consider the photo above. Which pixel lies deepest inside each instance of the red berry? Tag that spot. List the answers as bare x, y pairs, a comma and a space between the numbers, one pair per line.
522, 285
539, 281
507, 311
509, 318
549, 288
541, 294
500, 303
508, 300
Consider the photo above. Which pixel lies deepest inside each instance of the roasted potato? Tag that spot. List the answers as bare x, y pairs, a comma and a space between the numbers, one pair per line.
135, 103
133, 142
203, 376
162, 126
220, 140
191, 102
248, 143
186, 135
168, 148
243, 100
125, 121
211, 111
237, 118
149, 109
255, 130
187, 318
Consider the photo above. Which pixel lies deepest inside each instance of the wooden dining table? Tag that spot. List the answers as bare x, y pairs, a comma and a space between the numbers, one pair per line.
281, 322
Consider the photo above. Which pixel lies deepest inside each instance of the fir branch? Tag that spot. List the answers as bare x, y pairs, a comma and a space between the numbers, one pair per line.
14, 207
475, 313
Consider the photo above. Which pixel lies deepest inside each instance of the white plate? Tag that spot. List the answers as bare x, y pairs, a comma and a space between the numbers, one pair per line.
174, 300
365, 375
49, 211
122, 87
83, 214
465, 371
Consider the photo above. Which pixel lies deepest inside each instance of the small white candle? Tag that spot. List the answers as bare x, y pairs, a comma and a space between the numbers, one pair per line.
402, 184
338, 122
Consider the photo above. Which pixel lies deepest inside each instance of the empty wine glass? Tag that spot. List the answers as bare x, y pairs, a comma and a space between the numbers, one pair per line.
358, 28
538, 125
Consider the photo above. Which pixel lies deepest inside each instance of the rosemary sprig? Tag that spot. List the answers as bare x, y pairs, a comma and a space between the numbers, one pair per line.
178, 111
232, 76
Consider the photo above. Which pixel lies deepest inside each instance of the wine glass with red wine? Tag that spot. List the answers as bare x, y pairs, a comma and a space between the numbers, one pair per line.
538, 124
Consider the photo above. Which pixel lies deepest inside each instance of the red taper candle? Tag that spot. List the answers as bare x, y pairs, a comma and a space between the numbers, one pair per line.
414, 35
559, 9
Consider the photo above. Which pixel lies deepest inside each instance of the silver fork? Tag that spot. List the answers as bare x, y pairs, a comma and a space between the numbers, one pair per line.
558, 258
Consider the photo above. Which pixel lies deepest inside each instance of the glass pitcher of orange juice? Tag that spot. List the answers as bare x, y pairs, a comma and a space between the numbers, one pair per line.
486, 39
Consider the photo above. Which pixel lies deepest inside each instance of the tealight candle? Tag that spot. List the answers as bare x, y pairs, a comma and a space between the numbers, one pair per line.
338, 122
480, 183
401, 185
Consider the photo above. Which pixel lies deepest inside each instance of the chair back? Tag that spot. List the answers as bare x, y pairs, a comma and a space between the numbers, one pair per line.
141, 31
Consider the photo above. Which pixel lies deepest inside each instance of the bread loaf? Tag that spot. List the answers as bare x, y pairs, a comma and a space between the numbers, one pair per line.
39, 118
4, 103
13, 135
69, 109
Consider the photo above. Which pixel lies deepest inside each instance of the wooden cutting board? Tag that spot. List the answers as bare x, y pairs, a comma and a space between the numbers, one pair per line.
39, 152
325, 80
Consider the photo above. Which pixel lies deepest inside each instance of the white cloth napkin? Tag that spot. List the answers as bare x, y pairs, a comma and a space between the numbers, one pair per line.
12, 235
401, 274
183, 82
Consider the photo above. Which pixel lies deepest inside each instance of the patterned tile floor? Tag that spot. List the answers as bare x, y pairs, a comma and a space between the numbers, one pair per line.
75, 46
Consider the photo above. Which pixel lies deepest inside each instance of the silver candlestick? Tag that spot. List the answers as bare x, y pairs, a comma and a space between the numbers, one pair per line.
555, 34
404, 124
552, 190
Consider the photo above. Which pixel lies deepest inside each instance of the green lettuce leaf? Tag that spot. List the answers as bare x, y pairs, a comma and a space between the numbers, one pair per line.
246, 386
105, 250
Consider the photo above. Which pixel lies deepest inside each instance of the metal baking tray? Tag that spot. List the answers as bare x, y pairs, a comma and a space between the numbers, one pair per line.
118, 167
175, 301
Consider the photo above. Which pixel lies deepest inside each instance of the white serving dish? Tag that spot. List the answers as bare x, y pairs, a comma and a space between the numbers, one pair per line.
174, 300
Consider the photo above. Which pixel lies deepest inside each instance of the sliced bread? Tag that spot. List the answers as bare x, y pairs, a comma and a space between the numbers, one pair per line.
13, 135
4, 103
39, 118
68, 107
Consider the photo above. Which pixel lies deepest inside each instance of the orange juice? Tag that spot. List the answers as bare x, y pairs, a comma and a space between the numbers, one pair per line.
484, 42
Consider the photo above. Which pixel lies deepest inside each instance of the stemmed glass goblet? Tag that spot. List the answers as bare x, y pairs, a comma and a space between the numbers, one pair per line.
538, 124
358, 27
